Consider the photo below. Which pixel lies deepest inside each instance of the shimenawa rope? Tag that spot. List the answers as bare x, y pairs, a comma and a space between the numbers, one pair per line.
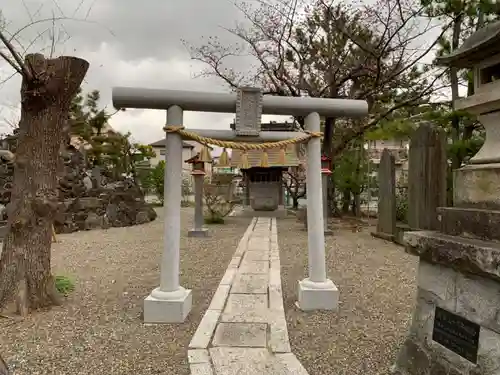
244, 146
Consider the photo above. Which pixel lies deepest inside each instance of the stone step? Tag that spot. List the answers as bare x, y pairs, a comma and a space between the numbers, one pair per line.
470, 222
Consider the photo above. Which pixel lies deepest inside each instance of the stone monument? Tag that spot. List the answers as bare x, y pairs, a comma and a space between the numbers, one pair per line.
456, 321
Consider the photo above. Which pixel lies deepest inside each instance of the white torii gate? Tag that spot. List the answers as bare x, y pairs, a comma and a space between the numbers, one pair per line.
170, 302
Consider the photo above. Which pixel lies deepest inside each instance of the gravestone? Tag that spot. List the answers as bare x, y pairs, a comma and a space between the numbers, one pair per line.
455, 328
386, 221
426, 177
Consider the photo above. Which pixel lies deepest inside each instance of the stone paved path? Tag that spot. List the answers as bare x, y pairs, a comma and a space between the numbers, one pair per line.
244, 330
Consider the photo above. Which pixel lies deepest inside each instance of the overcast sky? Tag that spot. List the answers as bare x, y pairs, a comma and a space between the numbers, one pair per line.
128, 43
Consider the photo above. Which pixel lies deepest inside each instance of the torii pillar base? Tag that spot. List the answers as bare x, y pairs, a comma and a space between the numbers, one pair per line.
167, 307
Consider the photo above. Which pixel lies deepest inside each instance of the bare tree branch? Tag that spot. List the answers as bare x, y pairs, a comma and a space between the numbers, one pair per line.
21, 67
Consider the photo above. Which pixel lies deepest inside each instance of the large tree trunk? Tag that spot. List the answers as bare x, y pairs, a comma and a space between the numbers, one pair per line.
25, 270
346, 201
356, 205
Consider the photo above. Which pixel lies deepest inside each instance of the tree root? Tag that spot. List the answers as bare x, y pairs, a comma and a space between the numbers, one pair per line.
22, 299
4, 370
53, 293
22, 306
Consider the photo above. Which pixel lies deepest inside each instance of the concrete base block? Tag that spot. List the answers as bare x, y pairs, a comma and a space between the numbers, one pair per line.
173, 310
318, 296
198, 233
280, 213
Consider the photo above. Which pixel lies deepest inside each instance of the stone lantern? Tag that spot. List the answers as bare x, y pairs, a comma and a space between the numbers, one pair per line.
481, 53
326, 171
456, 325
198, 173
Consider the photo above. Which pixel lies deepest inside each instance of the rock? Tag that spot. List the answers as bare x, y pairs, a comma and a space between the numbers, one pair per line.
112, 212
87, 182
93, 221
142, 217
83, 204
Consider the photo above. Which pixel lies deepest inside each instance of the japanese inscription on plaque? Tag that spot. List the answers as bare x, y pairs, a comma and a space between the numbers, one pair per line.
248, 111
456, 334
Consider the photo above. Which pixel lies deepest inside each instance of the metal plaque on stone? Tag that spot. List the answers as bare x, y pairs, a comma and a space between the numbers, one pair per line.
248, 111
457, 334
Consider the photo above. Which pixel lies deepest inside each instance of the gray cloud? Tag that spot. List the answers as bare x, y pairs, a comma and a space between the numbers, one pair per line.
128, 43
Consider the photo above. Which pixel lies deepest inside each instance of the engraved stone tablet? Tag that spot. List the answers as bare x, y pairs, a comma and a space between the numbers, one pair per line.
456, 334
248, 111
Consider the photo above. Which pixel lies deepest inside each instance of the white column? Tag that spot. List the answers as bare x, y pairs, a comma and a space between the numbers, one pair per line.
198, 230
169, 280
170, 303
316, 292
316, 236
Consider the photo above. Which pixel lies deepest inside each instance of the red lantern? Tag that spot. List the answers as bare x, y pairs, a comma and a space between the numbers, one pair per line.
196, 164
326, 165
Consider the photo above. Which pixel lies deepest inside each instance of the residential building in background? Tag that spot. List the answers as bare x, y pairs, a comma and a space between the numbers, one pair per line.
188, 151
397, 147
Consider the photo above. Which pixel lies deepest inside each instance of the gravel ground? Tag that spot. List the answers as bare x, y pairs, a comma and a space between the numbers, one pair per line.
377, 285
99, 329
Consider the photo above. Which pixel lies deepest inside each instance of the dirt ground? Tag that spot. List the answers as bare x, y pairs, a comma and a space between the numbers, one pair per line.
99, 329
376, 280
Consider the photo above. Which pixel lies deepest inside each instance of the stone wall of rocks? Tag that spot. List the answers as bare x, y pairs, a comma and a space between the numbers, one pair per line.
118, 204
83, 205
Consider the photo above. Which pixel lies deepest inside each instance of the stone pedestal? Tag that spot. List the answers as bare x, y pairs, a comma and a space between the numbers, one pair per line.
461, 277
456, 321
167, 307
317, 296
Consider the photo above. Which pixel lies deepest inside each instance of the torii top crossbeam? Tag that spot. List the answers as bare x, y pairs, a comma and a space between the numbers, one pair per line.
132, 97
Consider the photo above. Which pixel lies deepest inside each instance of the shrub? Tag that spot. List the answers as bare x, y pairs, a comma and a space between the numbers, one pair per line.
217, 203
154, 181
64, 285
214, 220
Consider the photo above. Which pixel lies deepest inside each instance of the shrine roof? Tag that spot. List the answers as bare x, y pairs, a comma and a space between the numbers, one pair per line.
255, 156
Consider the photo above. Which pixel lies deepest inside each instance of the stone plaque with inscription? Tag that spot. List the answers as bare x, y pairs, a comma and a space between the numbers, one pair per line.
248, 111
456, 334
